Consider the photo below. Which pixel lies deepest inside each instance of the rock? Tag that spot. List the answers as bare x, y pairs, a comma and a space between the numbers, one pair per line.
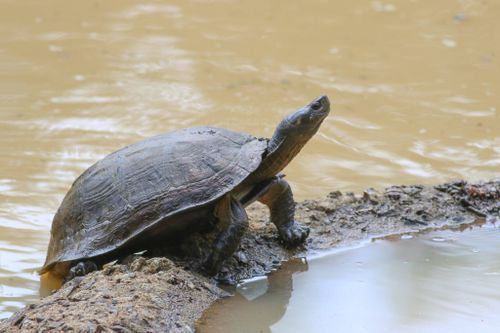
241, 257
371, 195
334, 195
137, 264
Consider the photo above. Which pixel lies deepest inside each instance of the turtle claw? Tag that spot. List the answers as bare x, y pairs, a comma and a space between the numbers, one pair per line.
294, 233
212, 264
80, 269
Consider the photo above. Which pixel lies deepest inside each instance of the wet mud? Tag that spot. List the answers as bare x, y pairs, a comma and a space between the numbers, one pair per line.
153, 293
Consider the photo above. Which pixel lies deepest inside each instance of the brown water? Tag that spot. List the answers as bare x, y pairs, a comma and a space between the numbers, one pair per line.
415, 90
437, 282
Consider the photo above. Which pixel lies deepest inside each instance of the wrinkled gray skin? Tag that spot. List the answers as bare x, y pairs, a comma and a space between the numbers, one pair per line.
156, 189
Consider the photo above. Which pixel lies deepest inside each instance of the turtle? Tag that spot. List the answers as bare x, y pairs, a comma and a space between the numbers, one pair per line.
154, 191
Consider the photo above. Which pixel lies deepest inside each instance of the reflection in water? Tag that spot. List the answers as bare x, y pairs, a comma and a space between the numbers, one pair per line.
414, 87
256, 306
442, 281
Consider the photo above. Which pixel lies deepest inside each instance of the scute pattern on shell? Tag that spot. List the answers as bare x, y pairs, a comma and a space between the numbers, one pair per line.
133, 188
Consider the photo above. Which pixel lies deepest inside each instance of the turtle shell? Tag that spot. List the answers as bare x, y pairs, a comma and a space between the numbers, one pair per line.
146, 183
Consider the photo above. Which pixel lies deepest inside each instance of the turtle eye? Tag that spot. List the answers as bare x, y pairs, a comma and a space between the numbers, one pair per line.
316, 106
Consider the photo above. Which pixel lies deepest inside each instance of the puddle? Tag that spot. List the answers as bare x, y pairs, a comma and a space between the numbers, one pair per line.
442, 281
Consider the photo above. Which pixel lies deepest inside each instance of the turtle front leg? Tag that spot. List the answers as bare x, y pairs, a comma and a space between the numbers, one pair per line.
232, 223
279, 199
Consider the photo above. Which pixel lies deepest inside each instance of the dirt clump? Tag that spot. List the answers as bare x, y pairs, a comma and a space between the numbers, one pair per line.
144, 295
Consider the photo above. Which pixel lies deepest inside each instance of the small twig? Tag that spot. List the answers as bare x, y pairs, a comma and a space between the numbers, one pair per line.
411, 221
76, 283
470, 207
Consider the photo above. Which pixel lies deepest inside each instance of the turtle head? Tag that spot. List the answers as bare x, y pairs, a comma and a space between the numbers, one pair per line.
304, 123
292, 134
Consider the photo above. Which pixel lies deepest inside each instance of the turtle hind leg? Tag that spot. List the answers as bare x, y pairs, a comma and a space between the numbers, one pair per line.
81, 269
279, 199
233, 222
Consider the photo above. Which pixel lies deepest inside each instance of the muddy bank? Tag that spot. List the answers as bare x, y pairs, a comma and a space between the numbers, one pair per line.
167, 295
